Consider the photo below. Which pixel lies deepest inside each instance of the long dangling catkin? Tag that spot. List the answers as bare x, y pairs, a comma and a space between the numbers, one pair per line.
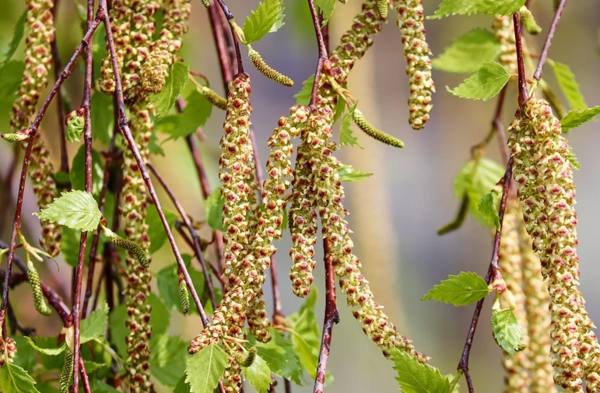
503, 30
38, 62
537, 307
544, 175
411, 21
134, 205
268, 71
213, 97
518, 365
373, 132
66, 375
38, 296
303, 226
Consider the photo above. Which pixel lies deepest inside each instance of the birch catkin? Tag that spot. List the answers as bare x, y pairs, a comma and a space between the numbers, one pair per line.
544, 176
38, 63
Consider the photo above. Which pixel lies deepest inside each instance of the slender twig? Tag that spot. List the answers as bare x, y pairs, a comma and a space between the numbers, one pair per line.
64, 154
331, 318
126, 132
221, 41
463, 365
559, 10
236, 40
84, 377
33, 129
87, 138
195, 240
522, 82
322, 50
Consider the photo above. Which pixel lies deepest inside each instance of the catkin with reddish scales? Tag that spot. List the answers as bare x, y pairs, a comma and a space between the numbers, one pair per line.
544, 176
502, 27
38, 62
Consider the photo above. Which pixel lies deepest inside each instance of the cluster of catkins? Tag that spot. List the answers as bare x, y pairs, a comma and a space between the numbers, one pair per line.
144, 57
529, 369
39, 25
544, 175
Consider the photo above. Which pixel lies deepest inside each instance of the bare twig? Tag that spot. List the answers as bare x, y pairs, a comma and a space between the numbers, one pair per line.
322, 50
559, 10
463, 365
221, 41
33, 129
523, 94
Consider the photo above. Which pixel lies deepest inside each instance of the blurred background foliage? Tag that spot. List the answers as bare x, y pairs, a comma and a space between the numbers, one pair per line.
395, 212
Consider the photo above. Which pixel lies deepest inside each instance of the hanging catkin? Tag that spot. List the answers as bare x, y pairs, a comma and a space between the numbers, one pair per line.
544, 176
38, 62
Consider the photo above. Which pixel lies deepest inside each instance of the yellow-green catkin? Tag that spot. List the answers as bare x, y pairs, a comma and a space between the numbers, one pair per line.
303, 226
537, 308
134, 205
411, 21
268, 71
517, 366
38, 62
8, 350
373, 132
36, 287
502, 27
383, 8
546, 188
213, 97
66, 375
184, 295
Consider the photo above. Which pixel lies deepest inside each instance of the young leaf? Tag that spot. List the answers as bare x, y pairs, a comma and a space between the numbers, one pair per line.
326, 8
469, 52
195, 114
576, 118
12, 74
486, 83
475, 180
507, 332
214, 209
95, 325
77, 175
99, 386
568, 85
41, 348
349, 174
305, 334
303, 95
347, 137
74, 209
13, 379
459, 290
177, 79
280, 356
416, 377
204, 369
167, 360
258, 374
102, 125
18, 31
156, 232
471, 7
266, 18
488, 208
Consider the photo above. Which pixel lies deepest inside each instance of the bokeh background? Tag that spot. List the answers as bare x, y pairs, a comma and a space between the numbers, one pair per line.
395, 212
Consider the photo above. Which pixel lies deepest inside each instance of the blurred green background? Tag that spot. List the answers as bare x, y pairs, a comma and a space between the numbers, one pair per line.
395, 213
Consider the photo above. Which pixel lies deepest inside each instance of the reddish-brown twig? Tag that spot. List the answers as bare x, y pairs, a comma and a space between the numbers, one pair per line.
544, 56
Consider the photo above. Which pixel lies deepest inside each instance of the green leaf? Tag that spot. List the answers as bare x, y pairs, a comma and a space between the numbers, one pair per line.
475, 180
471, 7
182, 386
349, 174
159, 316
77, 175
167, 360
102, 121
280, 356
507, 332
118, 330
18, 31
205, 368
13, 379
12, 74
576, 118
469, 52
178, 77
347, 137
416, 377
95, 325
195, 114
74, 209
568, 85
459, 290
266, 18
40, 346
98, 386
167, 282
305, 333
325, 8
258, 374
488, 208
214, 209
156, 232
486, 83
25, 356
303, 95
